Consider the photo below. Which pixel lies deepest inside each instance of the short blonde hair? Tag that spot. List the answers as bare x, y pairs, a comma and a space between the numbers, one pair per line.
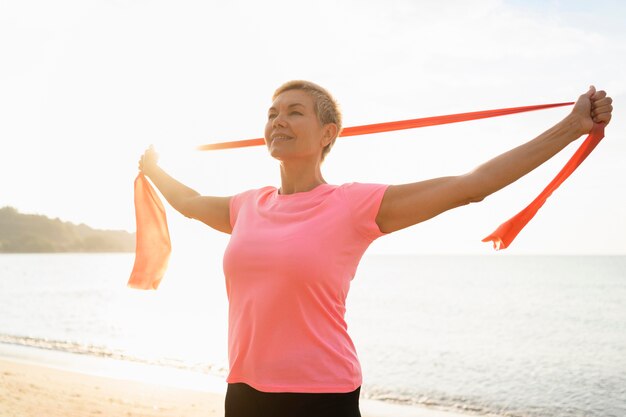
326, 107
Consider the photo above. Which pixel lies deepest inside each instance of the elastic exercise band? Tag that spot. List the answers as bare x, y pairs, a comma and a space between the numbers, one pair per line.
401, 125
153, 242
153, 247
507, 231
504, 235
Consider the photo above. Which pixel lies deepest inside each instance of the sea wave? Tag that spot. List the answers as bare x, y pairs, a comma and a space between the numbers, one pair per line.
105, 352
369, 392
437, 401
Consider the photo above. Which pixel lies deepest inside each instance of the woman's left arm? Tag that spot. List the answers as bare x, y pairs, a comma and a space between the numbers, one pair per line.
408, 204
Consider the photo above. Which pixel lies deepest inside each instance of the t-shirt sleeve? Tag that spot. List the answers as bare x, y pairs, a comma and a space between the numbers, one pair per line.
235, 204
364, 202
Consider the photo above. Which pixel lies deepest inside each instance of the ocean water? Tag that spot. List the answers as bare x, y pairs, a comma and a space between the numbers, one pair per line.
510, 335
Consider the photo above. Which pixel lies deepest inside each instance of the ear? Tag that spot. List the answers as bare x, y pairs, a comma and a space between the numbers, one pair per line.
329, 133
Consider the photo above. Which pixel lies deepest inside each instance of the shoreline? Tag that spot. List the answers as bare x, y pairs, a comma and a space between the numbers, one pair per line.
58, 384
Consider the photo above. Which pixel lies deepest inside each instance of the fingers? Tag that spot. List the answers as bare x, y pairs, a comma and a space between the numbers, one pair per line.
140, 164
150, 153
604, 117
601, 107
148, 159
598, 95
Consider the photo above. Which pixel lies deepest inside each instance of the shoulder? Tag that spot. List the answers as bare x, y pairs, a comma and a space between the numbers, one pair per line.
364, 201
363, 197
255, 194
362, 190
249, 199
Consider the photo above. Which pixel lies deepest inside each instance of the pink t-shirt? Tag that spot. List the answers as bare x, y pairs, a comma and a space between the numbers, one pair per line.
288, 268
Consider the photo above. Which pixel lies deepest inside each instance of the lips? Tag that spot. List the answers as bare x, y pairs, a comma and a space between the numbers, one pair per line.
280, 137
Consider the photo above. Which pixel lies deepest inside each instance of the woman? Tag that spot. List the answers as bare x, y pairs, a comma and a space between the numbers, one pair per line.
294, 250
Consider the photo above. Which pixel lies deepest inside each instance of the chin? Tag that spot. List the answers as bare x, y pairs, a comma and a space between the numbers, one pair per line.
280, 152
277, 154
283, 155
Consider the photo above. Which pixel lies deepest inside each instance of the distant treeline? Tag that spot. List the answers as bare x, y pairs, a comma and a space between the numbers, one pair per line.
24, 233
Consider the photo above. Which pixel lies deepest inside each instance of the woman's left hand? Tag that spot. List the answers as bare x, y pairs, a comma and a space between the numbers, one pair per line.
592, 107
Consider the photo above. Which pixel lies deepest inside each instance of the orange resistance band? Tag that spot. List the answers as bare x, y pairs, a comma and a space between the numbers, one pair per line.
153, 242
153, 247
507, 231
401, 125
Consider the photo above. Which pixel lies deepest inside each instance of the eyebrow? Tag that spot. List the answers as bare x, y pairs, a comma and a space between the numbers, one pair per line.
290, 106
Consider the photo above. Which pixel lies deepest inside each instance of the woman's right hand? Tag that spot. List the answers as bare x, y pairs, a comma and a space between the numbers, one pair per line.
148, 161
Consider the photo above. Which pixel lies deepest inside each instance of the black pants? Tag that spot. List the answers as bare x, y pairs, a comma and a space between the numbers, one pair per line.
244, 401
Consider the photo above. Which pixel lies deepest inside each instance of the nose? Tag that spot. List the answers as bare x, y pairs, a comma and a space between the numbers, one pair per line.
278, 121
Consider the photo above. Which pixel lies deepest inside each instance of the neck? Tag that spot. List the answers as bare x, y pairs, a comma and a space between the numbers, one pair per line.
296, 177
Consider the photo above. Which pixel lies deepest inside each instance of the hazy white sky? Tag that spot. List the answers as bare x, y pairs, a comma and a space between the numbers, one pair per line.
86, 86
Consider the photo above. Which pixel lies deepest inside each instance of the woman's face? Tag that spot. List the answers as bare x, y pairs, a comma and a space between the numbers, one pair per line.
293, 130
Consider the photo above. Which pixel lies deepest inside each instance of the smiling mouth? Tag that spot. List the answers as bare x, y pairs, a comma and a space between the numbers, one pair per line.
281, 138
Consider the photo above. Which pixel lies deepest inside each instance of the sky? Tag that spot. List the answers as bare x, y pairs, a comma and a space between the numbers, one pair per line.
87, 86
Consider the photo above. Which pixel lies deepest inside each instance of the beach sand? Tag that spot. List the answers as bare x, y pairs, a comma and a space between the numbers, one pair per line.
33, 390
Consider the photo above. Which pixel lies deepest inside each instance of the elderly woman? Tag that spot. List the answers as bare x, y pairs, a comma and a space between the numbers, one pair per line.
294, 250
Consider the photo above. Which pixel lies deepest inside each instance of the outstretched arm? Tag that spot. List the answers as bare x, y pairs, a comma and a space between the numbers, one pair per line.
213, 211
408, 204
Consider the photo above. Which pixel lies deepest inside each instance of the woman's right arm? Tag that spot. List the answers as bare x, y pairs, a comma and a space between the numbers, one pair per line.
213, 211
